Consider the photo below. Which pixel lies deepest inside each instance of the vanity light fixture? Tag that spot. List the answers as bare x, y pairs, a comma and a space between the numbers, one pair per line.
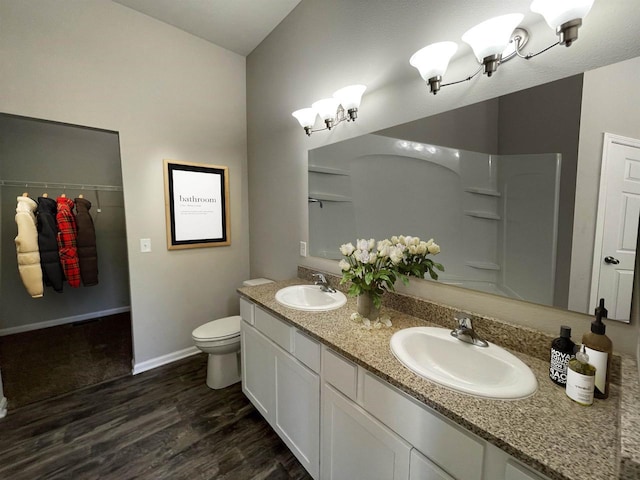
342, 106
498, 39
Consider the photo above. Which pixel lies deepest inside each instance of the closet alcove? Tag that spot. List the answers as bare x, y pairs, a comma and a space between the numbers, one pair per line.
82, 336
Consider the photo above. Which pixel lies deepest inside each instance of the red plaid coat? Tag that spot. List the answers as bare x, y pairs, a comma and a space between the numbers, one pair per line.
67, 232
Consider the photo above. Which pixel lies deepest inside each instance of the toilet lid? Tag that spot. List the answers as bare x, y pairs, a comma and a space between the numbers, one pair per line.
220, 328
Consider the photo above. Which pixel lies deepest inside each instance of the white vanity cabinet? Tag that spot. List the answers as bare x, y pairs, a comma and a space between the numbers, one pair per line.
283, 388
369, 428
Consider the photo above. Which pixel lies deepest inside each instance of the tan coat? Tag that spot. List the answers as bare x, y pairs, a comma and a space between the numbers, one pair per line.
27, 247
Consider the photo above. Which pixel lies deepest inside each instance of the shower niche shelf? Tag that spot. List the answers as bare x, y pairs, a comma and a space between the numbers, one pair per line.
329, 197
328, 170
483, 191
483, 265
479, 214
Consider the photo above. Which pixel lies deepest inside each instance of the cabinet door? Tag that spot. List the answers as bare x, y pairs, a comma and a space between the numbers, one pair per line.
355, 446
423, 469
513, 471
258, 370
297, 410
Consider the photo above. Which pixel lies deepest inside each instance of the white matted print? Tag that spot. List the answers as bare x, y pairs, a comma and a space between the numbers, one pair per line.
197, 205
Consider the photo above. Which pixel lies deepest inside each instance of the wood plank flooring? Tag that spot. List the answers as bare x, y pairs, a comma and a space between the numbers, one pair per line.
45, 363
161, 424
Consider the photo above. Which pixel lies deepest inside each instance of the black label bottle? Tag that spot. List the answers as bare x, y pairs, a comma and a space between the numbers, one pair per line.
562, 350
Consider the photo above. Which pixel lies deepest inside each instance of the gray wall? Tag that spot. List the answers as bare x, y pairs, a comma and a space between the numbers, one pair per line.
322, 46
37, 151
168, 94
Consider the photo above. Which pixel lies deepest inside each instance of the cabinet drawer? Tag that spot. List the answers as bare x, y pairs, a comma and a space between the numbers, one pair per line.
246, 311
340, 372
429, 433
306, 350
274, 328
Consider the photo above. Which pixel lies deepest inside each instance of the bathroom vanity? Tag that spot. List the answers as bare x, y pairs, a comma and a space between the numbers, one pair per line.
348, 409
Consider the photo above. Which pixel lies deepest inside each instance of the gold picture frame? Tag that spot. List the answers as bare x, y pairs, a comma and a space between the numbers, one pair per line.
196, 199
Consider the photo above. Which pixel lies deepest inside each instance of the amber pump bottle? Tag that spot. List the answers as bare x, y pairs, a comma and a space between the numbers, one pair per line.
599, 348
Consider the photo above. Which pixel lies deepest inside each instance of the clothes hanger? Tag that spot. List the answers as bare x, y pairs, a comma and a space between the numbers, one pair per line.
25, 194
45, 195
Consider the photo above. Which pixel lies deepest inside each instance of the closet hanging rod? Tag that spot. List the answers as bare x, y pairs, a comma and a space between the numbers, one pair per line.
63, 186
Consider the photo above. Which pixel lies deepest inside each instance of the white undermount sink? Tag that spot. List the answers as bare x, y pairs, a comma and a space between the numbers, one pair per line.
310, 298
489, 372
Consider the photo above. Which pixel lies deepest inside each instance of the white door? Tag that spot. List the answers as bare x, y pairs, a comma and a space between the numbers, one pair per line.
617, 226
258, 370
355, 446
297, 410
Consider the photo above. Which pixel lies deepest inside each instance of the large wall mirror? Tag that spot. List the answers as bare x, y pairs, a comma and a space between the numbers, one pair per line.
494, 183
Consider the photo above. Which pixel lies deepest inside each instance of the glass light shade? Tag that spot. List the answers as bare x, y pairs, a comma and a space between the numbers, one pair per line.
327, 108
557, 12
433, 60
350, 97
306, 116
492, 36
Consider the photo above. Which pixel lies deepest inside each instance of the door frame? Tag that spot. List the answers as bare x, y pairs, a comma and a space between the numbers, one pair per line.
609, 139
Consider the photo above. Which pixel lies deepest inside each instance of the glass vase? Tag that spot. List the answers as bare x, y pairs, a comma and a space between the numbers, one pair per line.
366, 308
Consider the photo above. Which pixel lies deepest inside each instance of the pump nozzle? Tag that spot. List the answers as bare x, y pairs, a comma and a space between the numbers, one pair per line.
597, 326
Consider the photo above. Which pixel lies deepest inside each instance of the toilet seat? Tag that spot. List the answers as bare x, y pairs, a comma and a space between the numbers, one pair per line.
220, 329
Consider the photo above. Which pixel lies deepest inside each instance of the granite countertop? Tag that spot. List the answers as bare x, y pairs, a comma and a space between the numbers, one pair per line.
546, 431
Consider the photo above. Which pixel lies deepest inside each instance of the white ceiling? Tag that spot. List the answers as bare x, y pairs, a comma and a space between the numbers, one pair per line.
237, 25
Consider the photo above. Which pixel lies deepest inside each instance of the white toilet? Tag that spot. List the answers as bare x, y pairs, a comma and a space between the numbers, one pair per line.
221, 340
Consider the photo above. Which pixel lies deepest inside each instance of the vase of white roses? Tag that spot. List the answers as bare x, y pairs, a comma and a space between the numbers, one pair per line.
373, 267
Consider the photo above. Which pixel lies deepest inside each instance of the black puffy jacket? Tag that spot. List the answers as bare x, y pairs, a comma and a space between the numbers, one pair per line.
86, 243
48, 243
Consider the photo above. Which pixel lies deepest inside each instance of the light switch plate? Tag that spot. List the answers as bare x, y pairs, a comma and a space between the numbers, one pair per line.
145, 245
303, 249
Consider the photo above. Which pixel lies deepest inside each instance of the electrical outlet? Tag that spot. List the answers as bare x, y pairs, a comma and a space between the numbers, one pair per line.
303, 249
145, 245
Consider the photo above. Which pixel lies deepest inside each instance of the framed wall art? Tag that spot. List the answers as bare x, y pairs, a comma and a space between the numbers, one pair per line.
196, 205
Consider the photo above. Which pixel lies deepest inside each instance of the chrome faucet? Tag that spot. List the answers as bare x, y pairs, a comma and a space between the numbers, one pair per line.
465, 331
322, 281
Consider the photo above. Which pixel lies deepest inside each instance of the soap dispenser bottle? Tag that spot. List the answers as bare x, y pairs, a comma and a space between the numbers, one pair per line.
581, 379
599, 348
562, 350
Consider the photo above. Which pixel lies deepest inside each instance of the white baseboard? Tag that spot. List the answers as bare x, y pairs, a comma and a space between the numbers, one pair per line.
3, 407
62, 321
164, 359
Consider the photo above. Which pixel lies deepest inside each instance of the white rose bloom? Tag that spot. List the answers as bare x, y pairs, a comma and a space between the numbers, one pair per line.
362, 244
430, 242
344, 265
395, 255
372, 244
373, 258
394, 240
383, 250
413, 249
422, 248
434, 248
347, 249
402, 240
383, 243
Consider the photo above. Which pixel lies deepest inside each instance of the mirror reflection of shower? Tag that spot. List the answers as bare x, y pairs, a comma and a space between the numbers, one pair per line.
495, 216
